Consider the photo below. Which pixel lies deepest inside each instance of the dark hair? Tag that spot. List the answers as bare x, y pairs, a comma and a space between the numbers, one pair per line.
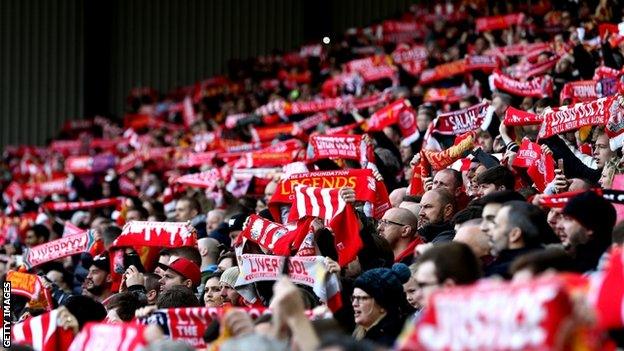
110, 234
468, 213
189, 252
193, 203
618, 233
541, 260
499, 197
453, 260
531, 221
126, 304
85, 309
499, 176
41, 231
152, 281
143, 212
457, 176
177, 296
228, 254
412, 198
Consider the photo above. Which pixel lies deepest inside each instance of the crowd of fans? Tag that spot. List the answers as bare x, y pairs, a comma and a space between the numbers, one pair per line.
469, 156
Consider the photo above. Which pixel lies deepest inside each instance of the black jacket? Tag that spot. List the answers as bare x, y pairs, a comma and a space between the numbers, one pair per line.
500, 265
573, 167
386, 331
437, 233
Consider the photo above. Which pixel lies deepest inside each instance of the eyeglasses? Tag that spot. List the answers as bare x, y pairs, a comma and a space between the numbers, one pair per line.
422, 285
385, 222
360, 299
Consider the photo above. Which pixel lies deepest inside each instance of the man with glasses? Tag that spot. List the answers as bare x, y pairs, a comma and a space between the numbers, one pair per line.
398, 227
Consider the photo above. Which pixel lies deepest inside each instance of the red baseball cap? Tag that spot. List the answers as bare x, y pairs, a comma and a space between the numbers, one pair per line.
184, 267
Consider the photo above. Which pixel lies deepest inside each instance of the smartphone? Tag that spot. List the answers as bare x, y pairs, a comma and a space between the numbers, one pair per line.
560, 165
133, 260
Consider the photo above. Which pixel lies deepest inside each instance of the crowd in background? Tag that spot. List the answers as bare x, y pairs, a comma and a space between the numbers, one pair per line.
447, 179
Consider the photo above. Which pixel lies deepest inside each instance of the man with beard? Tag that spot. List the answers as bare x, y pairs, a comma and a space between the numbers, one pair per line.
587, 223
180, 271
98, 281
436, 210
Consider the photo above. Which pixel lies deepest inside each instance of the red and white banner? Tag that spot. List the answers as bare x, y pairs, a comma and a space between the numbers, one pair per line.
156, 234
42, 333
110, 336
566, 118
207, 179
189, 324
340, 216
62, 247
537, 87
276, 238
451, 95
305, 270
80, 205
508, 316
443, 71
399, 112
462, 121
539, 166
484, 24
515, 117
521, 49
89, 164
485, 63
339, 146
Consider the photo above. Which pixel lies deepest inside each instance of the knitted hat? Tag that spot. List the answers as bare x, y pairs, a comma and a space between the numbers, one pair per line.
592, 211
230, 276
385, 285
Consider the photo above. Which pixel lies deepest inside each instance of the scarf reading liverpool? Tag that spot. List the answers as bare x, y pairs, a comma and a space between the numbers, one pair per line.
308, 270
63, 247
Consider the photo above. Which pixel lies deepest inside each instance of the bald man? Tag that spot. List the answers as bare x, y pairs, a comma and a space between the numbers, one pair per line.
398, 226
396, 196
470, 233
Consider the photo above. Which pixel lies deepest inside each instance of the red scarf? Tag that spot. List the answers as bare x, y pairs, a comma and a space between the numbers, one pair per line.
274, 237
339, 146
486, 63
461, 121
452, 314
484, 24
451, 95
409, 250
147, 238
63, 247
328, 205
80, 205
580, 91
399, 112
443, 71
539, 166
110, 336
412, 59
515, 117
566, 118
366, 187
538, 87
43, 333
89, 164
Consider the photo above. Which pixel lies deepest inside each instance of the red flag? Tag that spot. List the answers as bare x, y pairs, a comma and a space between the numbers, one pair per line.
42, 333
